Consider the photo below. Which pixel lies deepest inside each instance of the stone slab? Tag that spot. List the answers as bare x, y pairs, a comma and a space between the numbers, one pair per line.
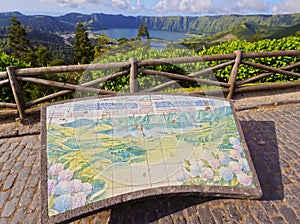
99, 152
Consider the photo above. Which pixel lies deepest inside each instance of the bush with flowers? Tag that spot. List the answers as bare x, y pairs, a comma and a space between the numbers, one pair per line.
66, 192
227, 168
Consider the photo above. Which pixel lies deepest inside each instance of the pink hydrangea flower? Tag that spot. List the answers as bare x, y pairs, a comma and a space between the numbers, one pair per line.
239, 148
235, 167
244, 179
215, 163
234, 141
76, 185
51, 185
235, 154
55, 169
78, 200
207, 174
65, 175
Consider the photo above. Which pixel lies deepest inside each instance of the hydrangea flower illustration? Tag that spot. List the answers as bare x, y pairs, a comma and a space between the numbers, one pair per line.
238, 148
182, 176
78, 200
67, 192
244, 163
55, 169
195, 168
215, 163
244, 179
234, 141
236, 144
62, 203
235, 167
65, 175
63, 187
224, 158
87, 188
226, 173
51, 185
76, 185
207, 174
235, 154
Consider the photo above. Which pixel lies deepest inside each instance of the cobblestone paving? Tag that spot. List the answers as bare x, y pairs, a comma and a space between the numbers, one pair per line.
273, 138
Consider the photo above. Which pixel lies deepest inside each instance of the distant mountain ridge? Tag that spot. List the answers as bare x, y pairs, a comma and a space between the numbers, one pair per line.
98, 21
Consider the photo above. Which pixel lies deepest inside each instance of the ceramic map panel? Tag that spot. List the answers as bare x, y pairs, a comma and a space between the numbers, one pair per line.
98, 152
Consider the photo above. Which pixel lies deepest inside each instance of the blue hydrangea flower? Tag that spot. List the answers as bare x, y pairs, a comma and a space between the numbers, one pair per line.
182, 176
226, 173
245, 166
63, 187
62, 203
224, 158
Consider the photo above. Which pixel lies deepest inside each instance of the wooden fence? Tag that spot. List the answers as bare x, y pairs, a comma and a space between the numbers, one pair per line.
13, 76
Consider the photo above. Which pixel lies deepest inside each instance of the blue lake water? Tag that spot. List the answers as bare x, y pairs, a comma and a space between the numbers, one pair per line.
118, 33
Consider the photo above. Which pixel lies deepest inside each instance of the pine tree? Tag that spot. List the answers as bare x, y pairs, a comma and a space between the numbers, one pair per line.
83, 50
143, 32
18, 42
42, 56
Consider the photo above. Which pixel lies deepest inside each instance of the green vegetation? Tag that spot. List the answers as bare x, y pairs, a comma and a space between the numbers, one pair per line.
287, 43
31, 48
83, 50
18, 42
5, 61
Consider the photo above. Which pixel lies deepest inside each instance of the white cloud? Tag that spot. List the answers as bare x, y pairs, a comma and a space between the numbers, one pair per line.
185, 6
255, 5
79, 3
213, 7
120, 4
287, 6
137, 7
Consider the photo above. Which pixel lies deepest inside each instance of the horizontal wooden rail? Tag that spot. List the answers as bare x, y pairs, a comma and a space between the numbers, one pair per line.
4, 82
13, 78
3, 75
263, 75
71, 68
66, 85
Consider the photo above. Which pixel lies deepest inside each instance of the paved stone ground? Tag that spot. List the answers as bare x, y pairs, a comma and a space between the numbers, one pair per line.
273, 137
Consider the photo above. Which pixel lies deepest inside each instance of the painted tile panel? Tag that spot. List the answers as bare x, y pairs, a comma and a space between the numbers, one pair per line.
105, 147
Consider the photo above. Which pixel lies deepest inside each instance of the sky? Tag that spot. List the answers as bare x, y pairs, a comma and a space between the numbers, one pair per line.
151, 7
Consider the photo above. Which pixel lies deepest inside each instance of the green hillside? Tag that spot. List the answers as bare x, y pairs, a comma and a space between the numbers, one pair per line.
197, 25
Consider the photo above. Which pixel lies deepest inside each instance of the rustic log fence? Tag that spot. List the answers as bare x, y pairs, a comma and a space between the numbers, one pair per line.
13, 76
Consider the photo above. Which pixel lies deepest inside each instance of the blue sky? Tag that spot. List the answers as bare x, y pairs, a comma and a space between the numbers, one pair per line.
152, 7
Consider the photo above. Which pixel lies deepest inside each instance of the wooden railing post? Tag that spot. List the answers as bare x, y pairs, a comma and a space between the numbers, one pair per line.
16, 89
133, 75
234, 73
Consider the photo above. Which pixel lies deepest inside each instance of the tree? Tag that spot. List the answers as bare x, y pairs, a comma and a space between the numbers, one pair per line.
104, 44
18, 42
83, 50
42, 56
143, 32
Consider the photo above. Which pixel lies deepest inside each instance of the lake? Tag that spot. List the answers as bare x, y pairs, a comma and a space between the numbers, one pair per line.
118, 33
